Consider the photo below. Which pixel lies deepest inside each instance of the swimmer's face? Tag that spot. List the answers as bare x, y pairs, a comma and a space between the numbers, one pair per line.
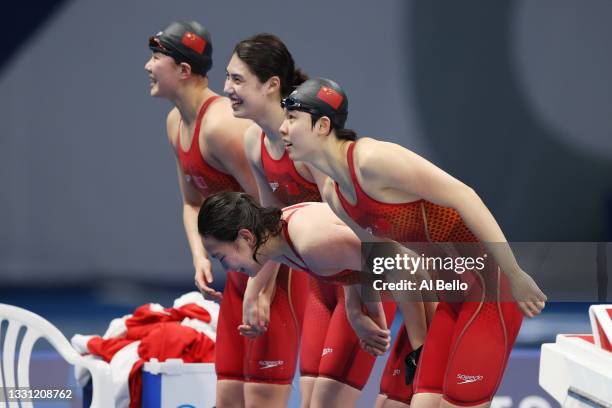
164, 74
235, 255
247, 94
298, 134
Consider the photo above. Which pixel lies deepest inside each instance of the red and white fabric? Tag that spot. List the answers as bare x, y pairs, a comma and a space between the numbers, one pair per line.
186, 331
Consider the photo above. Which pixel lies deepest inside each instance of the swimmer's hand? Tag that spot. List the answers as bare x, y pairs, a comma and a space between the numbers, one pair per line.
250, 331
255, 316
527, 294
372, 338
203, 277
263, 309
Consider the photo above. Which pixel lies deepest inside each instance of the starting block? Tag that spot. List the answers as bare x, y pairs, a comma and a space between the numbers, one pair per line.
577, 369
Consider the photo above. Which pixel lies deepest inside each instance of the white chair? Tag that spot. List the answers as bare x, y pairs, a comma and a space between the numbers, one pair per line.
37, 327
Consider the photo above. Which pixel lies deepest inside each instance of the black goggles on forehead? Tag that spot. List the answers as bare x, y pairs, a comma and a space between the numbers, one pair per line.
290, 104
155, 44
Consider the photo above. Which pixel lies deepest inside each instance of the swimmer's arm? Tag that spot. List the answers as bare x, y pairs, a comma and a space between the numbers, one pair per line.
415, 175
327, 247
371, 328
265, 280
262, 283
258, 298
417, 311
353, 302
405, 170
333, 247
192, 200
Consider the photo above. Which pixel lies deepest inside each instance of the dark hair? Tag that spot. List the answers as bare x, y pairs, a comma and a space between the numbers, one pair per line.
267, 56
222, 215
342, 134
346, 134
194, 69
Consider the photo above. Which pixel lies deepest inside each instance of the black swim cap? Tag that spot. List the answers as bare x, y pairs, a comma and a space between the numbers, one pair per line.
320, 97
185, 41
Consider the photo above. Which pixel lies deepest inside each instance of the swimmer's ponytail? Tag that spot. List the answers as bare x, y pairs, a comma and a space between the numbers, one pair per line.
267, 56
346, 134
299, 77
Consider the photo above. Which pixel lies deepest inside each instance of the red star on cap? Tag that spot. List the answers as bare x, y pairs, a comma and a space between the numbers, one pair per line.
330, 97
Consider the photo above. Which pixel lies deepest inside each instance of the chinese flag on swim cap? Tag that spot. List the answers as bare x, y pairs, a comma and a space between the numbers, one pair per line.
330, 97
194, 41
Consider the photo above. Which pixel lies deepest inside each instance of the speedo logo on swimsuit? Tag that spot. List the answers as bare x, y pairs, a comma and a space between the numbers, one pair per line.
200, 182
396, 372
274, 186
469, 378
326, 351
270, 364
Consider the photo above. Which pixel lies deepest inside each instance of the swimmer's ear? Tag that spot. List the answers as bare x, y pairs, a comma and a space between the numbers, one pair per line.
185, 69
323, 126
273, 85
248, 236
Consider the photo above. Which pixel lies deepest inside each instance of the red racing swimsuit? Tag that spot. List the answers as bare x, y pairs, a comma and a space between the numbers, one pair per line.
200, 174
329, 347
272, 357
468, 343
232, 351
205, 178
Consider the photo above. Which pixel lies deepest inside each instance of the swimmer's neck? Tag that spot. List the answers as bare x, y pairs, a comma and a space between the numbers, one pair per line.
276, 249
331, 160
270, 121
190, 100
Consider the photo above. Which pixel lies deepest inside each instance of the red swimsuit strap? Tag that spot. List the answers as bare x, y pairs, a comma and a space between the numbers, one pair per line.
288, 238
358, 192
203, 109
285, 160
267, 153
351, 164
195, 141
